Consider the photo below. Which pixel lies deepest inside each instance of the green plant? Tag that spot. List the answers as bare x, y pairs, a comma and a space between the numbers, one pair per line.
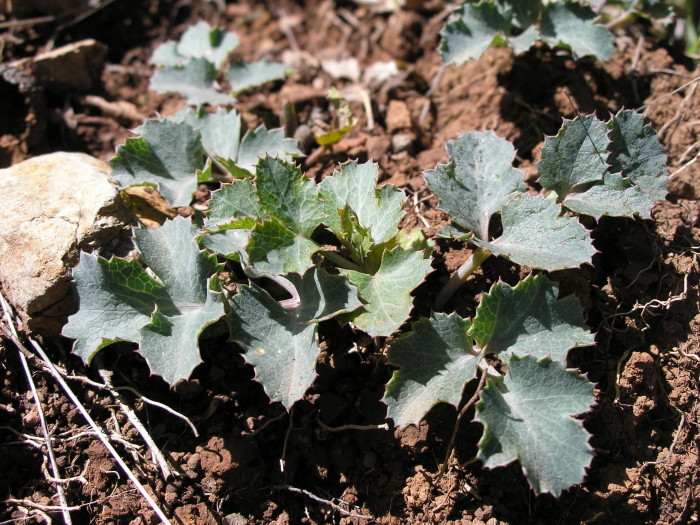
334, 252
192, 67
476, 26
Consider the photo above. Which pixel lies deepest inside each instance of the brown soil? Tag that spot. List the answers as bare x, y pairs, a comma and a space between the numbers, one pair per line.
640, 295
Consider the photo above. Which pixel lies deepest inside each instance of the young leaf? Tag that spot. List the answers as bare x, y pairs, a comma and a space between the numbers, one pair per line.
576, 155
232, 201
377, 210
387, 293
167, 155
470, 31
244, 75
194, 80
571, 24
282, 344
638, 154
276, 249
616, 196
261, 142
535, 235
478, 181
435, 361
182, 306
528, 417
198, 41
529, 319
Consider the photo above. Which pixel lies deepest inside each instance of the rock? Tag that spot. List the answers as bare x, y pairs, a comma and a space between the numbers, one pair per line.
72, 67
52, 206
398, 116
402, 142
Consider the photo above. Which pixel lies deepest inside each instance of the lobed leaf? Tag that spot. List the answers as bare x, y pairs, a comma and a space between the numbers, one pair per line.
198, 41
535, 235
245, 75
528, 416
194, 80
571, 24
471, 30
387, 293
282, 344
167, 155
435, 361
529, 319
478, 181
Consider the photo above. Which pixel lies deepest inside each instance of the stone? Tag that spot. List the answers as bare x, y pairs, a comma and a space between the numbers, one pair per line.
398, 116
51, 207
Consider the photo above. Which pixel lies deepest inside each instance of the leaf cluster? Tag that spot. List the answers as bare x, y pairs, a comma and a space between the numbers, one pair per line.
476, 26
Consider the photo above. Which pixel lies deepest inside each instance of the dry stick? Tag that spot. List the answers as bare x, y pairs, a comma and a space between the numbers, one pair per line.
100, 433
331, 504
383, 426
28, 504
160, 405
156, 454
42, 418
453, 439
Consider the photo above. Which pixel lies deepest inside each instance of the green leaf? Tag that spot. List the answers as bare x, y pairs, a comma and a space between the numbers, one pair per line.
221, 133
117, 299
637, 154
529, 319
198, 41
528, 416
245, 75
261, 142
435, 361
387, 294
616, 196
194, 80
166, 155
282, 344
232, 201
535, 235
355, 186
470, 31
275, 249
478, 181
575, 156
285, 193
571, 24
231, 239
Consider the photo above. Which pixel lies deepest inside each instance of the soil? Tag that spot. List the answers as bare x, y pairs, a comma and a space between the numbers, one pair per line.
252, 462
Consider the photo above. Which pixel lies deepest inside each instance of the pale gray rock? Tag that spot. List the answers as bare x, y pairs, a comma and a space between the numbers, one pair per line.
52, 206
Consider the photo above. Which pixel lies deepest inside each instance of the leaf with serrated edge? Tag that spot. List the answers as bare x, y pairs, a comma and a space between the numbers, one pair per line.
572, 24
282, 344
478, 181
616, 196
284, 193
186, 300
387, 293
274, 248
528, 416
232, 201
245, 75
166, 155
576, 155
355, 185
528, 318
221, 133
117, 297
261, 142
535, 235
194, 80
435, 362
471, 31
637, 154
231, 239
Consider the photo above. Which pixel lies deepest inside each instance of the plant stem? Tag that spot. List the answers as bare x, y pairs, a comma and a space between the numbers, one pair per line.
341, 261
453, 439
464, 271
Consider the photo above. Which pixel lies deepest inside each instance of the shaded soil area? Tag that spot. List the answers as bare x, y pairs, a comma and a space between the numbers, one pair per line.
251, 462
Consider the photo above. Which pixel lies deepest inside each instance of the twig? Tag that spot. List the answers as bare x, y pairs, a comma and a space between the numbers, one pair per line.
28, 504
286, 440
383, 426
453, 438
162, 406
267, 424
156, 455
27, 22
668, 456
42, 418
666, 95
334, 506
100, 433
618, 374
